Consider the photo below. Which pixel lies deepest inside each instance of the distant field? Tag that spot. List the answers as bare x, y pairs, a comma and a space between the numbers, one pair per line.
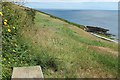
61, 49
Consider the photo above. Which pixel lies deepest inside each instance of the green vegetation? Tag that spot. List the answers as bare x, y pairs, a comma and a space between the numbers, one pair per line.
75, 24
62, 50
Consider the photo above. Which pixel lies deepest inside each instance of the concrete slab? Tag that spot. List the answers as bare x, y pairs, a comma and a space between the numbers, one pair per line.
27, 73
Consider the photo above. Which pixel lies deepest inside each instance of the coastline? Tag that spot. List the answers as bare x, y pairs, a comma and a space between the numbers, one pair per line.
104, 38
83, 27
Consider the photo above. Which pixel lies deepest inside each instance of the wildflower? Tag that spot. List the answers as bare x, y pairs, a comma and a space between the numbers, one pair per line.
5, 23
9, 30
14, 51
1, 14
5, 20
13, 27
4, 59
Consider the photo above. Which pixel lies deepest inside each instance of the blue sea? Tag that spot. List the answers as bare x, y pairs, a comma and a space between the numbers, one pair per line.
107, 19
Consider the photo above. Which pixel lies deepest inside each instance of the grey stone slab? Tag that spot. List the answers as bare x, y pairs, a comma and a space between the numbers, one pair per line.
27, 73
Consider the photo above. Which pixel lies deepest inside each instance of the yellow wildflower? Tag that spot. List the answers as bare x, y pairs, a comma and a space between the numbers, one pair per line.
5, 23
14, 51
5, 20
4, 59
9, 30
1, 14
13, 27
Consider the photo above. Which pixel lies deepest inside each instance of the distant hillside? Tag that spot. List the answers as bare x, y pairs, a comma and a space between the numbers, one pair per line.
62, 50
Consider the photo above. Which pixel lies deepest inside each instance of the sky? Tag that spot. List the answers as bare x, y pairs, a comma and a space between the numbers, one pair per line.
73, 0
73, 4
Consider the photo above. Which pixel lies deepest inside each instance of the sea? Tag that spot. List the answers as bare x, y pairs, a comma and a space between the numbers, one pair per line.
107, 19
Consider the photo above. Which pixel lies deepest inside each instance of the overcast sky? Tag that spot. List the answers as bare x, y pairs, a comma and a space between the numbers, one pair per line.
74, 4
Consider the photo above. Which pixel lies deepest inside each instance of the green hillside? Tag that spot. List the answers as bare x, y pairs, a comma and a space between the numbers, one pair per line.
63, 50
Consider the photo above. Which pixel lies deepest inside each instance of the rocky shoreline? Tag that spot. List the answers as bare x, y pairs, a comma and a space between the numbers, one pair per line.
98, 30
92, 29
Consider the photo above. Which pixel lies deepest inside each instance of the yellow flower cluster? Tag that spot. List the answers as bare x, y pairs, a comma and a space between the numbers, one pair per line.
1, 14
14, 51
4, 59
9, 30
5, 22
13, 27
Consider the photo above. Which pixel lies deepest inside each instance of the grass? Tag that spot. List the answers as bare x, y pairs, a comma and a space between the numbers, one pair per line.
61, 49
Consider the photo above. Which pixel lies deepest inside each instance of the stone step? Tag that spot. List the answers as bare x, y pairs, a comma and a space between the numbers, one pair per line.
27, 73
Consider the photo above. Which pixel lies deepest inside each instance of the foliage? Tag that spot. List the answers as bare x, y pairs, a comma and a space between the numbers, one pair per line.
14, 53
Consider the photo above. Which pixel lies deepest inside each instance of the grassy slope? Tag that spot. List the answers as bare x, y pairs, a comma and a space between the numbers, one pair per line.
64, 50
